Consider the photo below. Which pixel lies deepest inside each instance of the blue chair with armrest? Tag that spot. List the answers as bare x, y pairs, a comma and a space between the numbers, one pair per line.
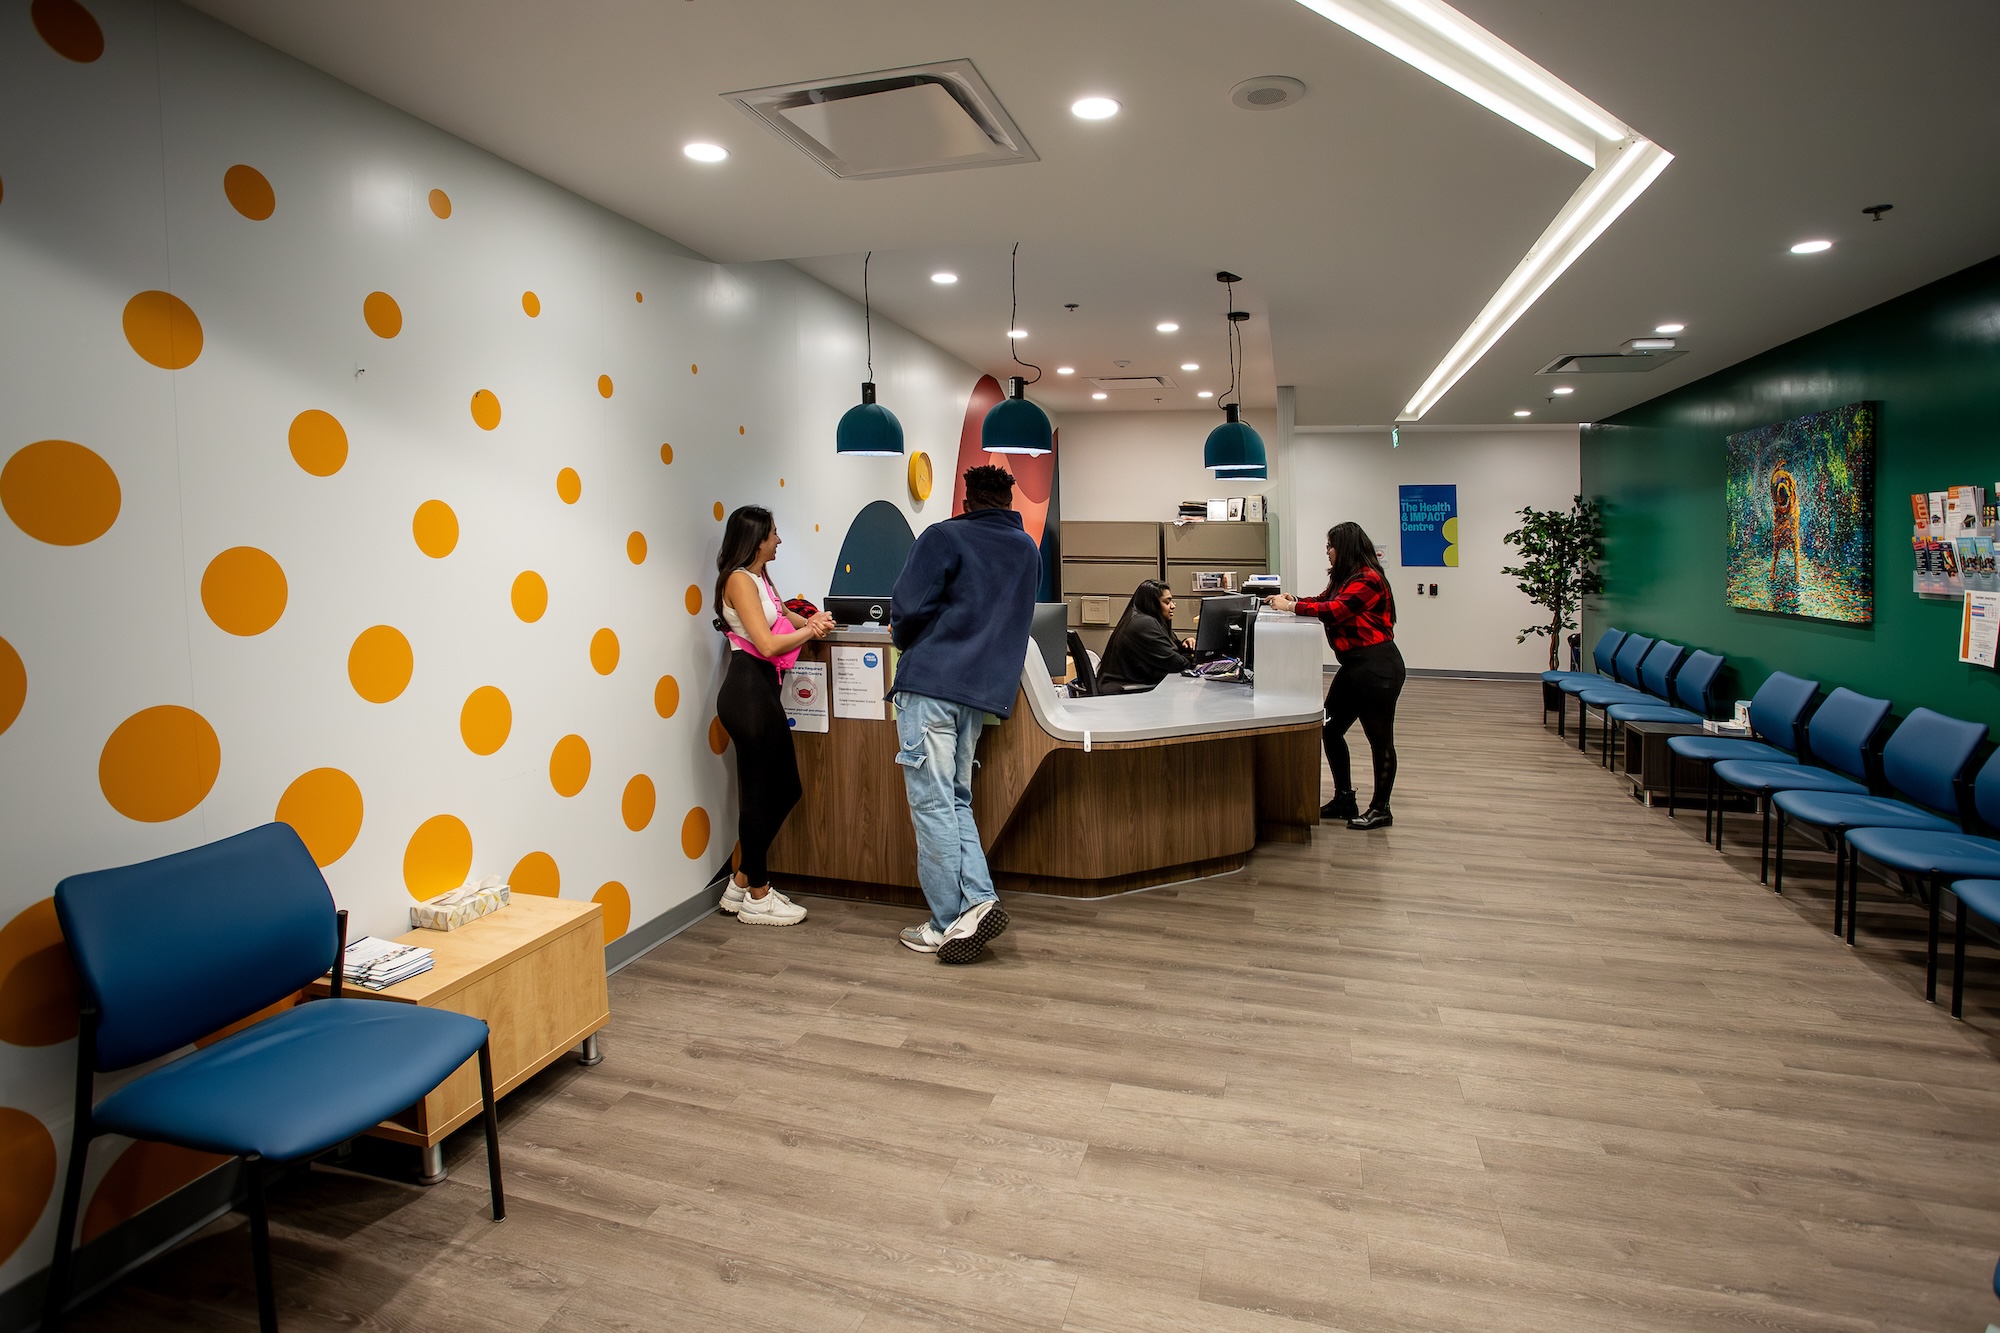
1603, 655
1624, 672
1928, 860
1841, 739
1927, 764
1776, 711
169, 951
1656, 679
1692, 698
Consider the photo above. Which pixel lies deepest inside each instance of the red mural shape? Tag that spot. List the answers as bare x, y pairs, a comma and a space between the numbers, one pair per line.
1034, 476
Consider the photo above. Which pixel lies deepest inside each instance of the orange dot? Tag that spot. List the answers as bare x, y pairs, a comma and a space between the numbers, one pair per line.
639, 297
435, 528
485, 409
486, 719
318, 441
440, 204
718, 735
532, 304
638, 802
385, 318
693, 600
145, 1173
538, 874
379, 664
438, 857
569, 486
694, 370
38, 994
243, 590
604, 652
14, 684
739, 430
159, 763
617, 904
530, 596
781, 481
718, 511
569, 765
60, 493
27, 1164
73, 34
666, 696
603, 386
694, 833
249, 193
163, 330
635, 548
666, 453
323, 806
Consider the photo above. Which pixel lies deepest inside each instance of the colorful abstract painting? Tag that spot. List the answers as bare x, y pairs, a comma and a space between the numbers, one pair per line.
1801, 514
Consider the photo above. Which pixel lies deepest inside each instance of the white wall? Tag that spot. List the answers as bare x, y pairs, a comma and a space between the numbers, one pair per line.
114, 186
1140, 465
1471, 624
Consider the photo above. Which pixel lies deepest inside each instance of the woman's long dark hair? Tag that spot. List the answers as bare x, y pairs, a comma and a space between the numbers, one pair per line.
1145, 602
741, 536
1352, 551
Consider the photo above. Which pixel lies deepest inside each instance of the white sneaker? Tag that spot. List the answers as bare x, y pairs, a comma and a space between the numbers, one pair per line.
924, 939
732, 896
969, 935
773, 909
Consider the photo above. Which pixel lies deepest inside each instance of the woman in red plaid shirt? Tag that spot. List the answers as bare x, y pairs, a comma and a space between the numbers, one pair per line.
1359, 613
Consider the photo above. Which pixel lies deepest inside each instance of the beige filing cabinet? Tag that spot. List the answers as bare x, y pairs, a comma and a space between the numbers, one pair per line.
1101, 564
1242, 548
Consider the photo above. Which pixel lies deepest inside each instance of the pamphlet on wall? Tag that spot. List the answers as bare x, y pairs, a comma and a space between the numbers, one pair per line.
1979, 629
1975, 564
858, 682
805, 696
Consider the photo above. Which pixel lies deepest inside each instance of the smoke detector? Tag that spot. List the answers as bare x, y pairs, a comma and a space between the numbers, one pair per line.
1267, 92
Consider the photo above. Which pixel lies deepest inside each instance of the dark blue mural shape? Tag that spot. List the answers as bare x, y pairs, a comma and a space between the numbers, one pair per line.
878, 541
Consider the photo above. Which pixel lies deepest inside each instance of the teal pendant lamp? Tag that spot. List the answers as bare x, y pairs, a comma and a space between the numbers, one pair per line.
1014, 425
1233, 449
868, 430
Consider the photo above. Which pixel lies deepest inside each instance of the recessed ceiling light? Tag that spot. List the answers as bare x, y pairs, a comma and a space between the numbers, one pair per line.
1189, 365
944, 279
1100, 395
1065, 370
1206, 393
706, 152
1093, 108
1811, 247
1168, 327
1017, 333
1521, 412
1562, 388
1670, 328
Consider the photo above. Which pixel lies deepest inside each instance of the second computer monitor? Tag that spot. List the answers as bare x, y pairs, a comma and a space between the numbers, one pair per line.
1224, 627
1050, 631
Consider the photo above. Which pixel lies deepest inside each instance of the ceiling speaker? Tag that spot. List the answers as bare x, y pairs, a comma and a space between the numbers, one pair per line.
1267, 92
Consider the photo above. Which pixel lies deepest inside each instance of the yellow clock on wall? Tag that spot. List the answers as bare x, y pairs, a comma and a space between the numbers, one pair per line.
920, 476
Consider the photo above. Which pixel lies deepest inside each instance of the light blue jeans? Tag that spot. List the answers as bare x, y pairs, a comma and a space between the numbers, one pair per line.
937, 739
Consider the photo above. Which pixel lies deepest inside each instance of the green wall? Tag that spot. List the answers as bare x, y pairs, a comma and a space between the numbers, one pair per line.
1931, 359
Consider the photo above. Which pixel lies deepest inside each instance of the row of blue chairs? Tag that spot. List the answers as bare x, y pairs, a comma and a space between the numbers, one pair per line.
1909, 799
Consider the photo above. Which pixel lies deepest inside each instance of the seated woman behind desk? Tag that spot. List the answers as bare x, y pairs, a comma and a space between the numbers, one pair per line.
1143, 651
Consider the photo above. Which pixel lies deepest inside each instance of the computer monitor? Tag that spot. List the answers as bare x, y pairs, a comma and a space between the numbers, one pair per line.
1050, 631
1224, 628
855, 611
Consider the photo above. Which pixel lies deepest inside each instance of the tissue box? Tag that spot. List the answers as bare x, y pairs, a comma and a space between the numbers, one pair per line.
468, 902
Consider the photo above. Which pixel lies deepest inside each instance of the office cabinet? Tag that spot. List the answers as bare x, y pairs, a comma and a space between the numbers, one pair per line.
1105, 562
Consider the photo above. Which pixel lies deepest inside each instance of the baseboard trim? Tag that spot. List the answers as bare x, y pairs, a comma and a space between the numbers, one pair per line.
643, 939
1449, 673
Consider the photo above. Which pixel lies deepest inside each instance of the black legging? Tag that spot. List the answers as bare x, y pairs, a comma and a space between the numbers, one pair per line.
1365, 689
767, 772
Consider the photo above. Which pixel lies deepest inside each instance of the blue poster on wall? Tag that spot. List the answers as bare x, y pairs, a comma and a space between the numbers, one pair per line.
1429, 519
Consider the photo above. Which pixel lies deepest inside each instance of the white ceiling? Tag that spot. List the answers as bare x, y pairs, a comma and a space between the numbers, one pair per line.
1372, 220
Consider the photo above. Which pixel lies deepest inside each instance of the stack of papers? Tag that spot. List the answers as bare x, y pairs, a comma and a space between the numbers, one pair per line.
1726, 728
377, 964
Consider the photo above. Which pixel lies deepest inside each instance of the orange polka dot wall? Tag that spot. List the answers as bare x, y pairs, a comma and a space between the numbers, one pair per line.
354, 479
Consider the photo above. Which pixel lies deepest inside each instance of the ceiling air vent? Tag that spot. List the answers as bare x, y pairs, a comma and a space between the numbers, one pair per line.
1133, 381
895, 122
1609, 363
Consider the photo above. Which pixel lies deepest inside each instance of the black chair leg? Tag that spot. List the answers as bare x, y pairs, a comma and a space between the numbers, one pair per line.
1930, 962
260, 1245
1673, 782
1778, 853
57, 1293
1853, 888
1764, 849
492, 1119
1958, 960
1839, 878
1582, 724
1562, 715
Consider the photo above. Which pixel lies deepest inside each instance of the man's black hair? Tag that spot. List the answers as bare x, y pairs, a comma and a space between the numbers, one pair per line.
989, 487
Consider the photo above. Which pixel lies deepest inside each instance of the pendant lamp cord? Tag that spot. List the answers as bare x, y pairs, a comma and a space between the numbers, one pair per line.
1014, 316
1235, 344
868, 315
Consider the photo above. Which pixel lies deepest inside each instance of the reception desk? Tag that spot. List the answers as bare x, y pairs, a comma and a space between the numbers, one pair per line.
1079, 797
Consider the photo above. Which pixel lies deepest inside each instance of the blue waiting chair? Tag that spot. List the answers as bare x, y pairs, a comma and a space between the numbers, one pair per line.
1841, 736
1776, 711
1930, 859
1691, 701
1927, 764
1656, 679
1980, 898
171, 950
1624, 672
1602, 655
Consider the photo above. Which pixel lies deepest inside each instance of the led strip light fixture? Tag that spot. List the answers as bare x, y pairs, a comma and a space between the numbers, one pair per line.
1458, 53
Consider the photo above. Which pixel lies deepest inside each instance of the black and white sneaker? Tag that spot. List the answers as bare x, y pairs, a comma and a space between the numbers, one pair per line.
970, 934
1372, 817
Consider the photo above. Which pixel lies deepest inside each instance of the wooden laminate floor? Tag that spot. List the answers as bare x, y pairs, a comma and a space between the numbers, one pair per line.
1535, 1059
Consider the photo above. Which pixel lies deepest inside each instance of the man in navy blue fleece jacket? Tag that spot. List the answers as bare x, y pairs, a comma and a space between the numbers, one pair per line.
961, 614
